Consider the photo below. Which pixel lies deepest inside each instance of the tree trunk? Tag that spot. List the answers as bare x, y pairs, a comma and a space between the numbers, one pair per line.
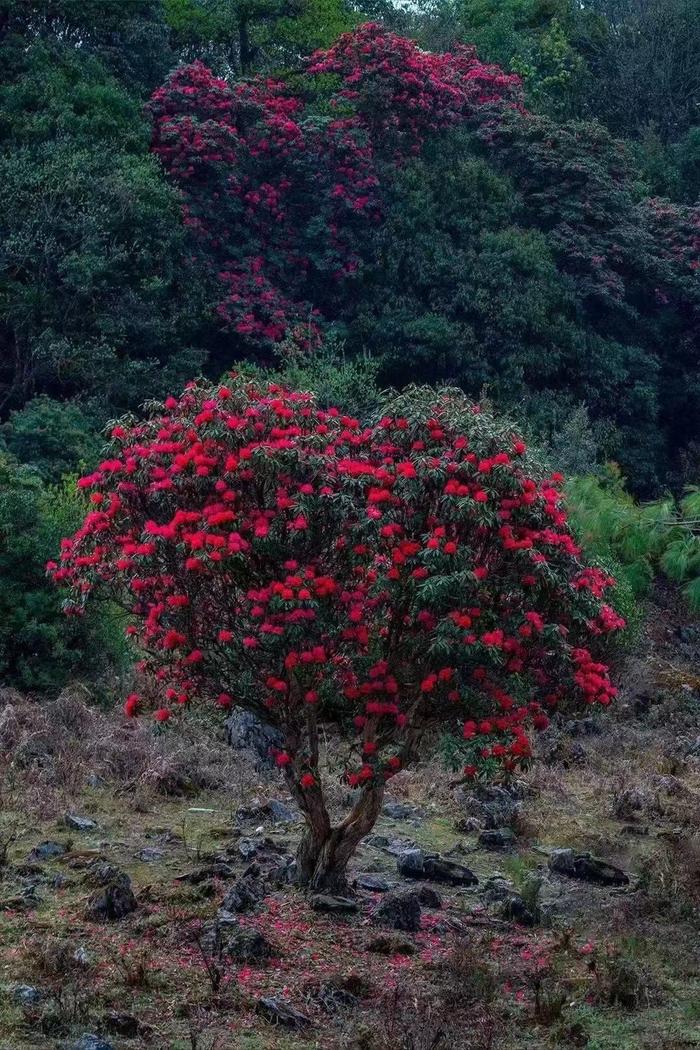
324, 851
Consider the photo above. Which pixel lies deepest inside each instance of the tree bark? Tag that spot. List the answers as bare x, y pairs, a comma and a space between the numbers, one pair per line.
324, 851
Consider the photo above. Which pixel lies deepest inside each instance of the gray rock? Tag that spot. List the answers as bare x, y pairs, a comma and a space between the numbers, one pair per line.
77, 823
391, 944
494, 806
429, 897
401, 910
48, 850
247, 946
278, 1012
281, 813
26, 994
150, 854
81, 956
562, 861
115, 901
121, 1023
335, 905
514, 909
88, 1041
498, 839
414, 864
497, 888
411, 863
247, 733
372, 883
587, 867
400, 811
583, 727
245, 893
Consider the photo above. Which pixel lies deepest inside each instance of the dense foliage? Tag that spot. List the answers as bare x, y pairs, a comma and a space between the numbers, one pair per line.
511, 207
286, 559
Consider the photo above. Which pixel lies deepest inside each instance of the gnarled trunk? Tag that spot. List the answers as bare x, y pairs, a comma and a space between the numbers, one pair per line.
324, 851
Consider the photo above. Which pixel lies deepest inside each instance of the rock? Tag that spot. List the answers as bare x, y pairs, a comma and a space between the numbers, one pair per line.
398, 846
26, 900
120, 1023
336, 905
247, 946
247, 733
48, 850
249, 847
562, 861
400, 811
102, 873
411, 863
218, 870
497, 888
77, 823
277, 1011
245, 893
514, 909
469, 825
81, 956
372, 883
391, 944
492, 805
401, 910
88, 1041
150, 854
26, 994
115, 901
429, 897
281, 813
583, 727
498, 839
378, 841
332, 996
414, 864
587, 867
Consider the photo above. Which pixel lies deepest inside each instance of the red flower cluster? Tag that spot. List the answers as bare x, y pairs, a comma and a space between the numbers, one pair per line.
287, 559
279, 196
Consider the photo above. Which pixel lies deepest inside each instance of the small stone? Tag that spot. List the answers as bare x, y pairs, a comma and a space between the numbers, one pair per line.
497, 839
277, 1011
335, 905
400, 811
429, 897
514, 909
248, 847
587, 867
562, 861
411, 863
401, 910
248, 946
497, 888
26, 995
150, 854
48, 850
372, 883
281, 813
114, 902
88, 1041
81, 956
414, 864
120, 1023
391, 944
243, 895
77, 823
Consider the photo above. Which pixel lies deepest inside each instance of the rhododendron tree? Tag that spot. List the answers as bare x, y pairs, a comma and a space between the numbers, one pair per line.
387, 580
280, 185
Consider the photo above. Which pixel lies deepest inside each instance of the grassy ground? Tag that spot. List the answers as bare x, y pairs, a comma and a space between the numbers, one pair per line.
613, 970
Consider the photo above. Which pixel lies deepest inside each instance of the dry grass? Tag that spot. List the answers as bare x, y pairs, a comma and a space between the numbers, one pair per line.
57, 749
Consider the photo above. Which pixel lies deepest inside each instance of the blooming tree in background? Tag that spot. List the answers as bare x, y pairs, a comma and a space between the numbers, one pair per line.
280, 185
383, 580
